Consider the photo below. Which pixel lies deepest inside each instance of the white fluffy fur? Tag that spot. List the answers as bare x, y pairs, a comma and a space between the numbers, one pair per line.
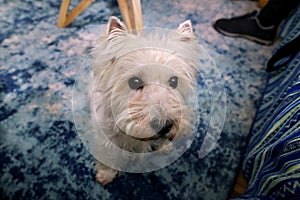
124, 114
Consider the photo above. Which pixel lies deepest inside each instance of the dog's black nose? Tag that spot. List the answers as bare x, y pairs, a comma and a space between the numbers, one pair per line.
160, 128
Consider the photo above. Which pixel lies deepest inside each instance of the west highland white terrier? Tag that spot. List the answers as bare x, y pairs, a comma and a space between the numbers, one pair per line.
141, 89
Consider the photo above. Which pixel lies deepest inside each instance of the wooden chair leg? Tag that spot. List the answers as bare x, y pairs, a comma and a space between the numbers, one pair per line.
131, 11
66, 18
124, 8
63, 13
137, 19
83, 4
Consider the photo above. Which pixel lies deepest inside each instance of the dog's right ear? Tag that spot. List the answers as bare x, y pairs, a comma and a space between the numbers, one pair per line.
115, 27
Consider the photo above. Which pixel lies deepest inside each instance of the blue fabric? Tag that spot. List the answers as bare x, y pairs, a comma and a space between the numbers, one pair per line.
272, 160
291, 28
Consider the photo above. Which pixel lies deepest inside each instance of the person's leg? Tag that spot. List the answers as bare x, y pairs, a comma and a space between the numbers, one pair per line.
260, 27
275, 11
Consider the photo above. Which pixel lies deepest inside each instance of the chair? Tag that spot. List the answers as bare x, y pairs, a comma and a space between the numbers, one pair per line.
130, 9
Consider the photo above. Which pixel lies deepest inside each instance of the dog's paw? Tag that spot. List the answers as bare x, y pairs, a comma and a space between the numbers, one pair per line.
104, 176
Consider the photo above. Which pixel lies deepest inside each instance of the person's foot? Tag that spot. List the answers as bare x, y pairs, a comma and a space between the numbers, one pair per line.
247, 26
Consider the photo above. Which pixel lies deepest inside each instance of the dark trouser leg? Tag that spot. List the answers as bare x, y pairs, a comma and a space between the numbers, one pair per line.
275, 11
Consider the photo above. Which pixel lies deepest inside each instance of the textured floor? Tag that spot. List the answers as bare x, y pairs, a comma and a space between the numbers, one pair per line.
41, 155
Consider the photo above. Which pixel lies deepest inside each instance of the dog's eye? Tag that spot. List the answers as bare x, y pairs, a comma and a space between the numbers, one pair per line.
173, 82
135, 83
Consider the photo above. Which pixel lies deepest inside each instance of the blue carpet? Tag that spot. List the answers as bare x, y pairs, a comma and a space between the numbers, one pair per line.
42, 156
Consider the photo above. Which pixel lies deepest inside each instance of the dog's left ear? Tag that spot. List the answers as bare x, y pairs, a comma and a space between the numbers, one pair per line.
186, 30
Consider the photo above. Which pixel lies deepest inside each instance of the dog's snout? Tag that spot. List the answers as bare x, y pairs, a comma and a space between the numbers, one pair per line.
161, 128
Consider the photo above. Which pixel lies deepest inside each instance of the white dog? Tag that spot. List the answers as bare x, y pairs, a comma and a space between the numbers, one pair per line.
141, 88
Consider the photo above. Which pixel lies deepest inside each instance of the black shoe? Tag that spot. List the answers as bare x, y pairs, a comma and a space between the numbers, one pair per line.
247, 26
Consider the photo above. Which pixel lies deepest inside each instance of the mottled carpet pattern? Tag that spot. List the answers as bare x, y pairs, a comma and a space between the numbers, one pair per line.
42, 156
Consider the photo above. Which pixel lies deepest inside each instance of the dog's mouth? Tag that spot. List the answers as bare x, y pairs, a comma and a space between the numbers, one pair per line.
169, 136
159, 129
155, 137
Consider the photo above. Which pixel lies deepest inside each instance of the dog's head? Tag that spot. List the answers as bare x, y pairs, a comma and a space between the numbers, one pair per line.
147, 80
